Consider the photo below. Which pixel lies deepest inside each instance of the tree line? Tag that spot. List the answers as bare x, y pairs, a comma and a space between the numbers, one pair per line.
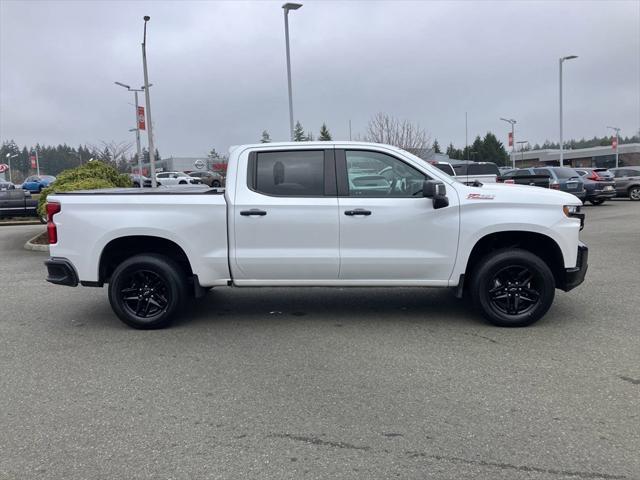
53, 159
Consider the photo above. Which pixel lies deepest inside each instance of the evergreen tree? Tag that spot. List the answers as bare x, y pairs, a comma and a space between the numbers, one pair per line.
325, 135
265, 137
298, 133
436, 146
157, 157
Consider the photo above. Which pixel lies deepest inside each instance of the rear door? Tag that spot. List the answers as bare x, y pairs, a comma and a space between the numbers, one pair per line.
285, 218
388, 231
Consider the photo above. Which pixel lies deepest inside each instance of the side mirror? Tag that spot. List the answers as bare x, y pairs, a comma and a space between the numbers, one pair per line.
437, 191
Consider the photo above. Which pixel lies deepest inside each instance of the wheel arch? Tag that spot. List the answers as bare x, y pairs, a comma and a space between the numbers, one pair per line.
539, 244
121, 248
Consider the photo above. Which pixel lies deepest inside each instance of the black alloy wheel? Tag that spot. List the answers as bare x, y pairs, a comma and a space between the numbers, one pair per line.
145, 294
512, 287
514, 290
146, 291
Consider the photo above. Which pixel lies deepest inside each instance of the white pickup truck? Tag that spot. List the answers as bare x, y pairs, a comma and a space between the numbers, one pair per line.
332, 214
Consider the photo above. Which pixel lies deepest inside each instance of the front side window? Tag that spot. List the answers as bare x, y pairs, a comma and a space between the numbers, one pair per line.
375, 174
290, 174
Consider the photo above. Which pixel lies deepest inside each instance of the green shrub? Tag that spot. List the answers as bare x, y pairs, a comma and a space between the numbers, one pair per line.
90, 176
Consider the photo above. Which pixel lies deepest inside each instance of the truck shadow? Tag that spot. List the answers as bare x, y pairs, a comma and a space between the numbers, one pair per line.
339, 305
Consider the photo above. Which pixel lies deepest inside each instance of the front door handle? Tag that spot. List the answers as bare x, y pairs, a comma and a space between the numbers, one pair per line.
357, 211
252, 212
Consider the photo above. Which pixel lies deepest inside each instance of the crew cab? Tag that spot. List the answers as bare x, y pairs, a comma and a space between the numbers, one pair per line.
332, 214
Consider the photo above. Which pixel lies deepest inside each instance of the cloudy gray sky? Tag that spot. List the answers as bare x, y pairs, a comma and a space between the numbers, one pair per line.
219, 75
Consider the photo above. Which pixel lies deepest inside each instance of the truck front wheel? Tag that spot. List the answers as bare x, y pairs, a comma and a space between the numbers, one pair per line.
146, 291
512, 288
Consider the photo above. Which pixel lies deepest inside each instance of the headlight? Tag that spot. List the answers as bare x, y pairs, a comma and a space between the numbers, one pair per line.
573, 211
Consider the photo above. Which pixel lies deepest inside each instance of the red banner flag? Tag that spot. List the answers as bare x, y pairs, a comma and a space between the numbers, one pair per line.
510, 139
33, 161
614, 143
141, 124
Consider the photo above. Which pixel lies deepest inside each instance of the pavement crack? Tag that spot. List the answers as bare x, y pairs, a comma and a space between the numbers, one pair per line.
318, 441
519, 468
634, 381
482, 336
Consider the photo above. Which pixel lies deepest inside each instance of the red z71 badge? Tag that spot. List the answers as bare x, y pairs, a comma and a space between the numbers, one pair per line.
480, 196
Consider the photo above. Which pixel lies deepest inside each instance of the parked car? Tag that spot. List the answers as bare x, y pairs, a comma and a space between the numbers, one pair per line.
469, 172
35, 183
627, 182
301, 215
564, 179
212, 179
522, 176
176, 178
16, 202
140, 179
598, 183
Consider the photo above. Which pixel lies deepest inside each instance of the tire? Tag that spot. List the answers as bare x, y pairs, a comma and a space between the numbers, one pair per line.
154, 279
215, 184
517, 304
597, 201
182, 183
634, 193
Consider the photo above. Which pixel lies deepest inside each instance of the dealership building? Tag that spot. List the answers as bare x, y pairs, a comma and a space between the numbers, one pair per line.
601, 157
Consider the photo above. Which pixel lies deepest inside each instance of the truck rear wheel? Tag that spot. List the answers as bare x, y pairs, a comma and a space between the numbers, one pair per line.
513, 288
146, 291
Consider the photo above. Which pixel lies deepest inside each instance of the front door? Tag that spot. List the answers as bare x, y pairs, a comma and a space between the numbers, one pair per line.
286, 219
388, 230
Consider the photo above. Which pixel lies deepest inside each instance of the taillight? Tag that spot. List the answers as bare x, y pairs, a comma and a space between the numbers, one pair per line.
555, 186
52, 232
510, 180
594, 176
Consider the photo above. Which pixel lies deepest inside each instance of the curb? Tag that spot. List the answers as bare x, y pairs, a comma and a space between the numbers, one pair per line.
36, 247
18, 222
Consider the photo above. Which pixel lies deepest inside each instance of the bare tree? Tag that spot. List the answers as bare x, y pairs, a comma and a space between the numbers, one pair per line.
112, 152
384, 128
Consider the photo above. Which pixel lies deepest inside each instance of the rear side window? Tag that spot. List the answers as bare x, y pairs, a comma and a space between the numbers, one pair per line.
563, 172
444, 167
542, 171
290, 174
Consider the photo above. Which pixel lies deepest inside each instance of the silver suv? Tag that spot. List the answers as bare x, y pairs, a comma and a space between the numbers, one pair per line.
627, 182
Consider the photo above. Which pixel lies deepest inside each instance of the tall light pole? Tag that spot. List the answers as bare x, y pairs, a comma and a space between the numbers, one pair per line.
152, 151
522, 142
137, 129
617, 130
513, 140
287, 7
560, 62
9, 157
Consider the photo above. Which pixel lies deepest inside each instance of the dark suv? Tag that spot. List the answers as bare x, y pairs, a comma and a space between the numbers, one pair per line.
599, 184
627, 182
563, 178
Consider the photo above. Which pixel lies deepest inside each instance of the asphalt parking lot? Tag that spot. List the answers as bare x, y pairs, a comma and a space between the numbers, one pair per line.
321, 383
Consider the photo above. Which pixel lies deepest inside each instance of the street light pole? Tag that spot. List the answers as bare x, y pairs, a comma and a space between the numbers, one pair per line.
513, 140
152, 165
617, 130
287, 7
560, 61
137, 129
9, 157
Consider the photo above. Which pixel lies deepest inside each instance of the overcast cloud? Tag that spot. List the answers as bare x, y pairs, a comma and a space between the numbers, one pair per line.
219, 74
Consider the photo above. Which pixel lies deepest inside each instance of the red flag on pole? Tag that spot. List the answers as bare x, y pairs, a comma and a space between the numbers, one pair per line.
614, 143
141, 124
33, 161
510, 139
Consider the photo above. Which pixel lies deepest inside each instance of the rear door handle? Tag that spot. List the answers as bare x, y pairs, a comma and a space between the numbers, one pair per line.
252, 212
357, 211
